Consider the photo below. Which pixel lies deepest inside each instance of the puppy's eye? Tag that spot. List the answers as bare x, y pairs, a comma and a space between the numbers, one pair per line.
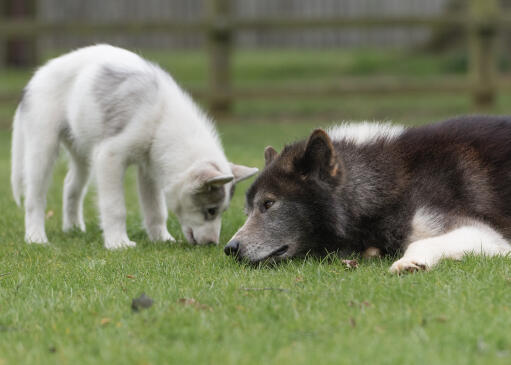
212, 211
268, 204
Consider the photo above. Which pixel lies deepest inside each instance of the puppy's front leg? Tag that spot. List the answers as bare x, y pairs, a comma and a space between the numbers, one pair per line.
110, 167
154, 208
426, 253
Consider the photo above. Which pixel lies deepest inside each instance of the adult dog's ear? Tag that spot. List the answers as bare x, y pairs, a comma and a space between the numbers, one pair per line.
241, 172
319, 157
269, 155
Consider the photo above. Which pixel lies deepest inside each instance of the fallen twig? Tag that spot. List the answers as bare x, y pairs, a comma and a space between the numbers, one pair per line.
350, 264
261, 289
193, 303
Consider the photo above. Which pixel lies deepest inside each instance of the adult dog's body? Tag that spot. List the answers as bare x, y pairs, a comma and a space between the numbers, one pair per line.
436, 191
111, 108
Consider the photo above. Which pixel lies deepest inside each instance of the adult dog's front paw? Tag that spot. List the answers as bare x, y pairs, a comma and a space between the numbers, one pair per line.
406, 264
118, 243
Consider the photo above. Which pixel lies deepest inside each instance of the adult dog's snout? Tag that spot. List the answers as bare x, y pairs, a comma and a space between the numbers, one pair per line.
232, 248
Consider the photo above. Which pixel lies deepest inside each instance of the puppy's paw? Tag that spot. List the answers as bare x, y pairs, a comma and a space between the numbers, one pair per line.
115, 244
69, 227
161, 235
167, 237
38, 238
408, 265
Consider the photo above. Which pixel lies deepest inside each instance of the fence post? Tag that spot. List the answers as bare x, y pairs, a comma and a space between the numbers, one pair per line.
3, 40
18, 51
483, 29
220, 47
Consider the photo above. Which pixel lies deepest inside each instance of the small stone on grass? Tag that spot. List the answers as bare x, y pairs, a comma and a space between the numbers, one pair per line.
142, 302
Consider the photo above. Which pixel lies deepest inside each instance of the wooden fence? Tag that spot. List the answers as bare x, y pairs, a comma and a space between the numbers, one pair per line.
482, 22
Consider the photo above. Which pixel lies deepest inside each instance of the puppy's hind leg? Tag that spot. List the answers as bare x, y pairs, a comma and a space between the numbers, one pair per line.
476, 239
74, 192
41, 153
154, 208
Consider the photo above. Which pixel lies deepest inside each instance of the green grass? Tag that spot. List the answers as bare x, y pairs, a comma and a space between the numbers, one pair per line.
70, 302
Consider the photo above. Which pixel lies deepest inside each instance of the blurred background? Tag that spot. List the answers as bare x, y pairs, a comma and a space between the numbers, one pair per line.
410, 61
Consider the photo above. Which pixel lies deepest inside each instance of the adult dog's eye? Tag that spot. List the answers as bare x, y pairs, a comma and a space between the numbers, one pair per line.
268, 204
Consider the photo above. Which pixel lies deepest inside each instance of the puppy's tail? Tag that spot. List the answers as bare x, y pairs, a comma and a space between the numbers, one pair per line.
17, 158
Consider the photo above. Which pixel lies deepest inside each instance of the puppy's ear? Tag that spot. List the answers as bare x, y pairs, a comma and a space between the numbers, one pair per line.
208, 176
269, 155
220, 180
241, 172
319, 157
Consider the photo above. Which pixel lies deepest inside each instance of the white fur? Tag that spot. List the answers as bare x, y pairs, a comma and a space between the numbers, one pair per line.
475, 237
145, 120
426, 223
364, 132
17, 160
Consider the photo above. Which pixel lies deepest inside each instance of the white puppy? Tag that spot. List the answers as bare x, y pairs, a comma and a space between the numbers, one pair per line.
110, 108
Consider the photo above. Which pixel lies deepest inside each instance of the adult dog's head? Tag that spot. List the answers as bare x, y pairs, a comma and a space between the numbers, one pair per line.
290, 205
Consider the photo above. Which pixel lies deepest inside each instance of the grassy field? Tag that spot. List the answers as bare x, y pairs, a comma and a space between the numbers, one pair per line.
70, 302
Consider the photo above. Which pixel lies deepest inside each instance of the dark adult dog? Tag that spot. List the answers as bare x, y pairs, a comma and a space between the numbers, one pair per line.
437, 191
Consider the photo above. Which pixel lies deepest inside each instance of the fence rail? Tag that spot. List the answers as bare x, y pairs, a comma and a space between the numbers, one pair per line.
17, 28
482, 23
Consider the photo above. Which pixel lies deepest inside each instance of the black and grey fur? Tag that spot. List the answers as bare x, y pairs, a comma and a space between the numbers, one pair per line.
434, 191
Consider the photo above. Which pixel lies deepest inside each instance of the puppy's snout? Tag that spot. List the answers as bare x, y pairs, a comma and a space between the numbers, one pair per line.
232, 248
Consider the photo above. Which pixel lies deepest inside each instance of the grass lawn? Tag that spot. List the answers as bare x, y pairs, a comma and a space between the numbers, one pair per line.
70, 302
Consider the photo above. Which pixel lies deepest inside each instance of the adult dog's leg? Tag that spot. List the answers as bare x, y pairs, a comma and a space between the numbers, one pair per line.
110, 165
74, 191
154, 208
425, 253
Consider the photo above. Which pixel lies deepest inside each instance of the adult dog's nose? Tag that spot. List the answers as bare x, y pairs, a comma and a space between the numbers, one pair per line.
232, 248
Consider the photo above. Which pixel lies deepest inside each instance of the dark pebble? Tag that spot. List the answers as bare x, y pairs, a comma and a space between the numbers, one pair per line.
142, 302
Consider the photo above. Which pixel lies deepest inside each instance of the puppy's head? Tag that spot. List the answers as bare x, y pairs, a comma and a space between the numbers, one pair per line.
203, 194
288, 205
